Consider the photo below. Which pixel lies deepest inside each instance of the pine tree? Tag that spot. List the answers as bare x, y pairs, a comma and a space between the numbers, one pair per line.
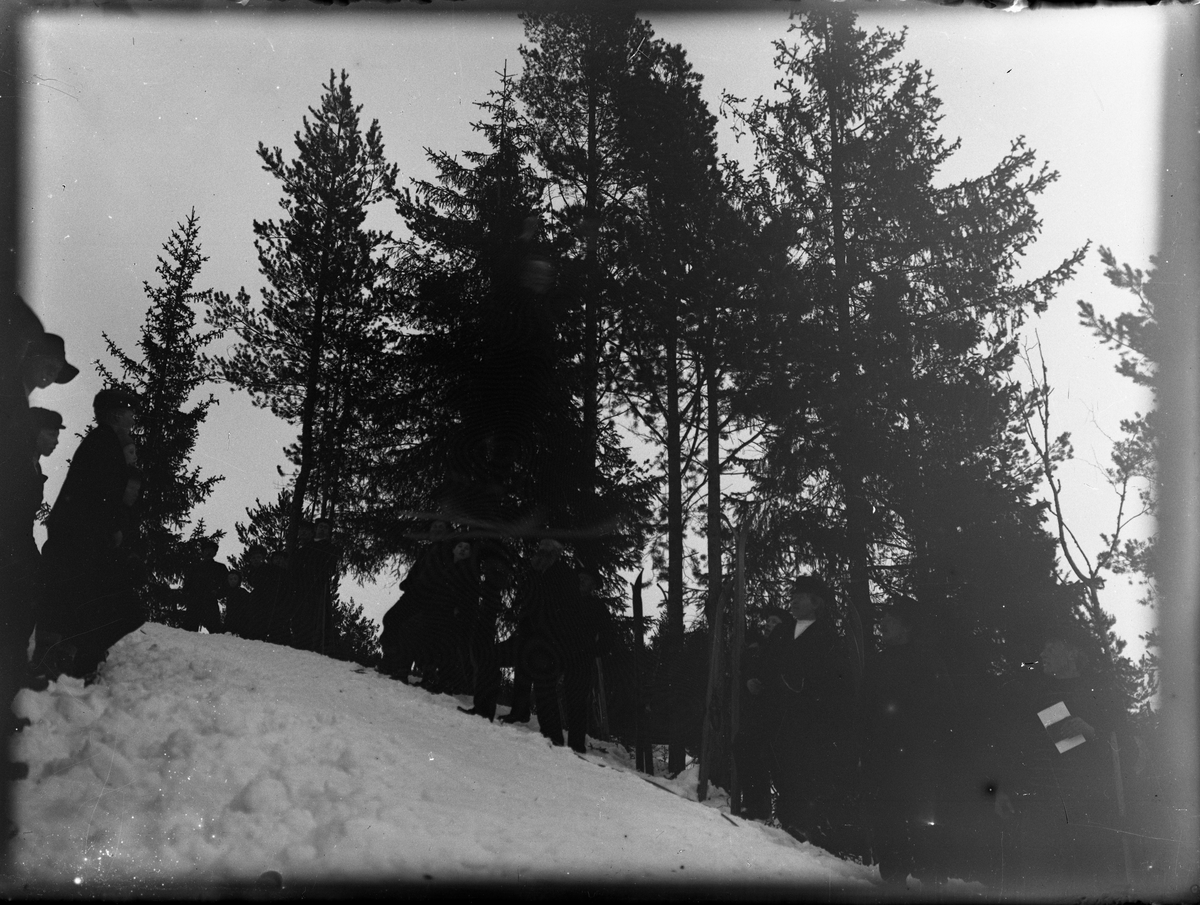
356, 636
166, 379
320, 348
266, 524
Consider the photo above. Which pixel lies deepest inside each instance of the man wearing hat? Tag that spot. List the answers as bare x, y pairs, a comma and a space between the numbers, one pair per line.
43, 362
203, 587
85, 530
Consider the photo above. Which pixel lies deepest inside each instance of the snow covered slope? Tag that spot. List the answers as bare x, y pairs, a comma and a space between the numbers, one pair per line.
203, 760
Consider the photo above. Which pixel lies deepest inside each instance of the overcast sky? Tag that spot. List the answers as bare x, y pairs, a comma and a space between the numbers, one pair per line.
136, 118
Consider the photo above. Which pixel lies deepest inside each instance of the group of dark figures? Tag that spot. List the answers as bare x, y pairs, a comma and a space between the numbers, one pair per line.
289, 598
78, 590
1045, 796
445, 624
77, 595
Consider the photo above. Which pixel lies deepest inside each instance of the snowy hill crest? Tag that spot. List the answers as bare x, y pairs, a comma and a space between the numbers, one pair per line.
202, 759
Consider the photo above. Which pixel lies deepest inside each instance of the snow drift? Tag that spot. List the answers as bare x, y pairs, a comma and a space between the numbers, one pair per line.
208, 760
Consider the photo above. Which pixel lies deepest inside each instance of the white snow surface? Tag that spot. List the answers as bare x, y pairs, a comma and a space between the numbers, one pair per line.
209, 759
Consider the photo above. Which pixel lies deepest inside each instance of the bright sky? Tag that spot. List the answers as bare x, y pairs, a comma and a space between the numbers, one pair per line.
134, 119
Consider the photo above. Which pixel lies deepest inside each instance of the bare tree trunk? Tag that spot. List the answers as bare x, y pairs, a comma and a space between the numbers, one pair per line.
642, 750
853, 483
711, 749
591, 326
674, 647
308, 416
736, 642
714, 483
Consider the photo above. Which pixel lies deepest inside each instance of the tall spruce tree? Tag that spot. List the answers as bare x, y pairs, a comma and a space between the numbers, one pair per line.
320, 347
167, 379
574, 63
492, 401
893, 459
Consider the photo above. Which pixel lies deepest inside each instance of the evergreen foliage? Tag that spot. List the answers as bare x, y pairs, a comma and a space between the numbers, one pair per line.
166, 378
266, 524
320, 347
892, 455
629, 147
493, 432
1135, 336
355, 636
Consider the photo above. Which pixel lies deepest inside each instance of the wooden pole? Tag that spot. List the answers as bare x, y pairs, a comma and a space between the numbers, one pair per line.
736, 643
1120, 786
713, 709
602, 701
643, 753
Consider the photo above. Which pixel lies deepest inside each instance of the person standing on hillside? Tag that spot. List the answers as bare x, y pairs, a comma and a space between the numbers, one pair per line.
752, 746
312, 622
495, 579
557, 632
85, 529
402, 639
271, 587
907, 752
35, 436
239, 606
1064, 722
807, 685
203, 589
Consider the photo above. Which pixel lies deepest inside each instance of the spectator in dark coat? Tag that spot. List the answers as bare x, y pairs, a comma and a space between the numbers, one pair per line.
239, 606
85, 536
908, 749
271, 593
298, 590
258, 610
807, 684
751, 746
203, 589
402, 638
100, 627
557, 637
85, 520
1061, 783
317, 565
21, 486
495, 578
446, 620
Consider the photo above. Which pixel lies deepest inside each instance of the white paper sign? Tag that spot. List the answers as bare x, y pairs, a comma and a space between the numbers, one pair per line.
1056, 713
1066, 744
1053, 714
